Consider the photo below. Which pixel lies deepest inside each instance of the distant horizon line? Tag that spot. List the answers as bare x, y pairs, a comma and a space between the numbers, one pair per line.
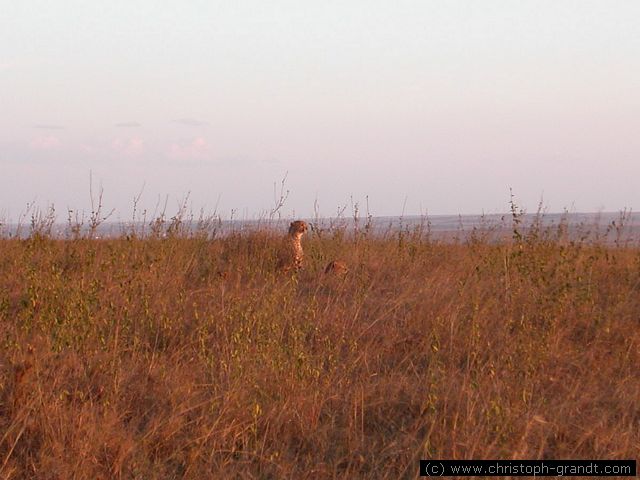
192, 217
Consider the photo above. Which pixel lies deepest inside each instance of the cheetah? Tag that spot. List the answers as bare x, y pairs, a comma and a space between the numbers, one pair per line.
291, 254
336, 267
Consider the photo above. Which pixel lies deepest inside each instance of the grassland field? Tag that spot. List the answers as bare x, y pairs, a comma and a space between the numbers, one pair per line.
187, 356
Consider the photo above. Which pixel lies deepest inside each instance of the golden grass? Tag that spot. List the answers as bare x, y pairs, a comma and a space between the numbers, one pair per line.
192, 358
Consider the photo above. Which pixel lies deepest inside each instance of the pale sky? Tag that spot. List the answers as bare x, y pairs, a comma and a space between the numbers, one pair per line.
434, 106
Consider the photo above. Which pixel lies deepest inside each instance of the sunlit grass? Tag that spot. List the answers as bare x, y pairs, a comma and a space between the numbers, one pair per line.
182, 355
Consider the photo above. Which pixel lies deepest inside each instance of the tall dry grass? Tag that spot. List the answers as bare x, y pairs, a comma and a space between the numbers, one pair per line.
190, 357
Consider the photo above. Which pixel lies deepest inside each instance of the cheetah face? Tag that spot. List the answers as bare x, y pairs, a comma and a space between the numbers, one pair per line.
298, 227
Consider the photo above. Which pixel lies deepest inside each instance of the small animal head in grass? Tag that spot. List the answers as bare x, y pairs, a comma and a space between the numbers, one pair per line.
336, 267
298, 228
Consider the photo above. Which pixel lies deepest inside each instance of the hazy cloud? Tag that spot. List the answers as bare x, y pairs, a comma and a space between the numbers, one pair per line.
191, 122
196, 148
47, 142
86, 148
48, 127
272, 161
128, 124
132, 146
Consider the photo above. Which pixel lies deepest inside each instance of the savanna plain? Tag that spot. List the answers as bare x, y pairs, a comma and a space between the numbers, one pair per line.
181, 353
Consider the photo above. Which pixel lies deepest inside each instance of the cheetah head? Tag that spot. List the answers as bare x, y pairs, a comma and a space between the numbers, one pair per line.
298, 228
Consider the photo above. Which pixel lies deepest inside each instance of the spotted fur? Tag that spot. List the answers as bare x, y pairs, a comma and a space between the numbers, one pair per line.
292, 255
